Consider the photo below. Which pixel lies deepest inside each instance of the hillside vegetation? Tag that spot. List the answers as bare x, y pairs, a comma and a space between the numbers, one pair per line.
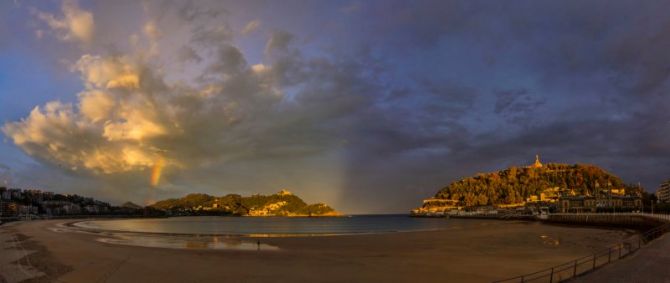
280, 204
515, 184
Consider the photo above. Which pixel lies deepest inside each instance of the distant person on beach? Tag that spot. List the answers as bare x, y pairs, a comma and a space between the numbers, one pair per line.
258, 243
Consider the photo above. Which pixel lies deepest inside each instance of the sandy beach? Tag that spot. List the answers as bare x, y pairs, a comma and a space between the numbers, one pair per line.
482, 251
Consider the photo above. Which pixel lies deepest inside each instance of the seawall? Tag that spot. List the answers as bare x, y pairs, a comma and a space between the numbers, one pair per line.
637, 221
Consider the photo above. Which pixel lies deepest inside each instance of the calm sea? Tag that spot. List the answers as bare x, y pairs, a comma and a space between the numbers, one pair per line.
271, 225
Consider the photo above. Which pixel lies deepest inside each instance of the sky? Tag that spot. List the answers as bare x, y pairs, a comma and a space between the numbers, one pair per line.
369, 106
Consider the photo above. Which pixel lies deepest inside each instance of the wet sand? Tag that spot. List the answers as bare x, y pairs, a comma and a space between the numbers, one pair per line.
481, 251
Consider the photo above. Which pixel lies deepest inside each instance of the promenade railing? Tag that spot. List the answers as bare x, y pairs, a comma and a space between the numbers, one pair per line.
661, 217
583, 265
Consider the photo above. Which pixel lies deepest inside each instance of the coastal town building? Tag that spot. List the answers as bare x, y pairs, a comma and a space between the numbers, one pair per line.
550, 195
8, 209
58, 207
18, 203
12, 209
436, 206
511, 205
580, 204
663, 192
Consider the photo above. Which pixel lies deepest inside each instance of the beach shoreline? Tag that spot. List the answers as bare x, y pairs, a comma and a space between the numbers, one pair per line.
483, 251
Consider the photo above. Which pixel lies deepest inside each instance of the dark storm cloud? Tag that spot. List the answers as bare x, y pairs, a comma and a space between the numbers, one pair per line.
597, 76
447, 99
516, 105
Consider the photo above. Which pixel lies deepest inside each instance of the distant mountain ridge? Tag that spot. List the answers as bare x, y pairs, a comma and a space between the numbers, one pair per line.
282, 203
130, 205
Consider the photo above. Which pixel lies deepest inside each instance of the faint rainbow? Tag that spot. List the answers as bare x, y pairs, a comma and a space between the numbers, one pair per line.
156, 172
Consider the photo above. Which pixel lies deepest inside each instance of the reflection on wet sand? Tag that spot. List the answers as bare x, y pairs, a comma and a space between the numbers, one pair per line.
550, 241
187, 242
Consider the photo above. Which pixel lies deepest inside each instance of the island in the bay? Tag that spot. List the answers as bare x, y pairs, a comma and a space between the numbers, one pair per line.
552, 187
16, 203
283, 203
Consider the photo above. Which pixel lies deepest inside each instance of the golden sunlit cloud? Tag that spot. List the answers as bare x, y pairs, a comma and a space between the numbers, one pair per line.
76, 24
156, 172
139, 111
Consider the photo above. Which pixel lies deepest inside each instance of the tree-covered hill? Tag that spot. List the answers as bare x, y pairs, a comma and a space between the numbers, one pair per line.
280, 204
516, 184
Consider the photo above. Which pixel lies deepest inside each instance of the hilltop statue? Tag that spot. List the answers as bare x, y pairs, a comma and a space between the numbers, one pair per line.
537, 163
284, 193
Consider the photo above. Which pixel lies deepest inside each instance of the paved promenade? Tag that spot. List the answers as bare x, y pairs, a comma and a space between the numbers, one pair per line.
650, 264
